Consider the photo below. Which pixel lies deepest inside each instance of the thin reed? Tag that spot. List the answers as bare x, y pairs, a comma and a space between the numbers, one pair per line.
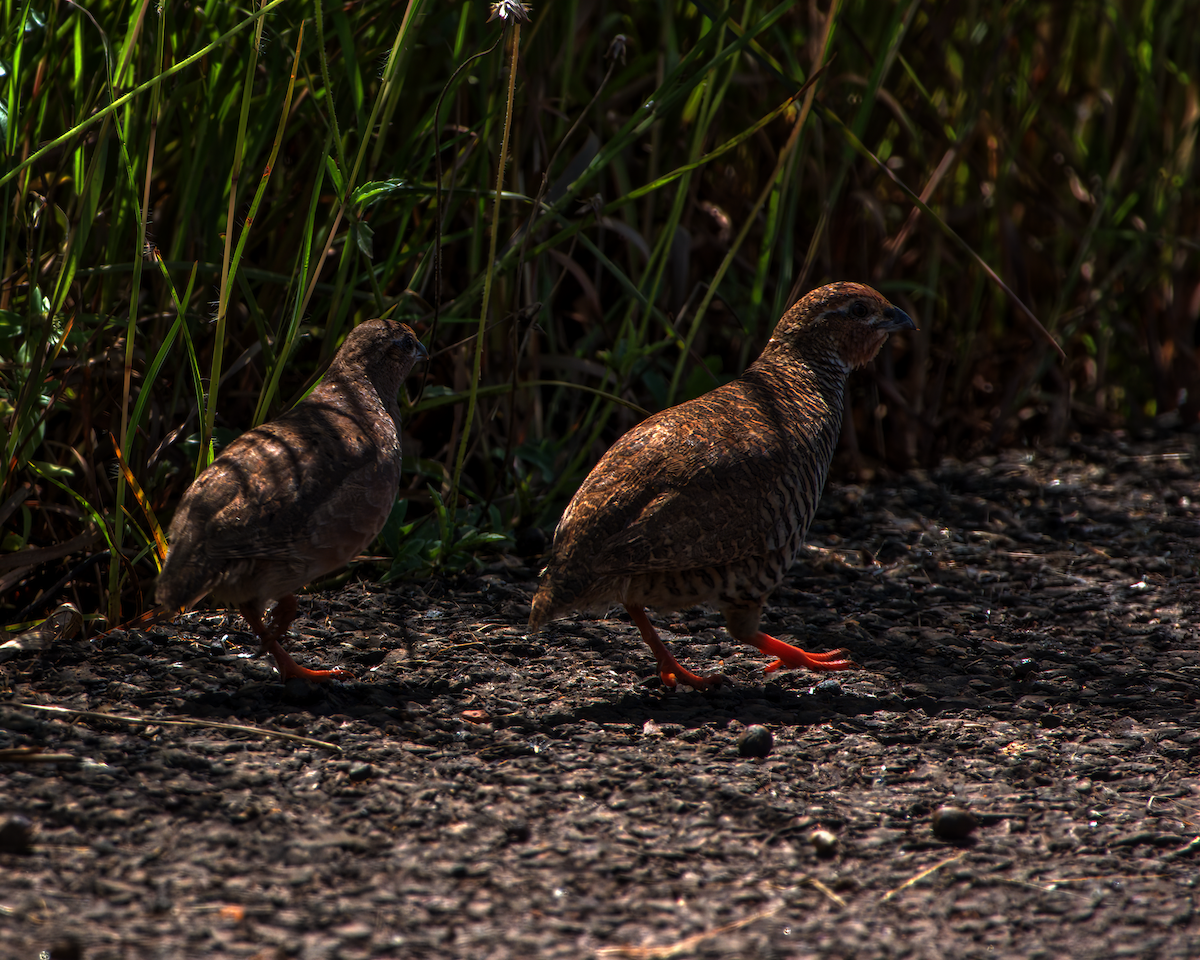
201, 200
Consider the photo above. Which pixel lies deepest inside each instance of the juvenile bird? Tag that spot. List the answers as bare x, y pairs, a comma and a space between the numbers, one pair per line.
296, 498
709, 501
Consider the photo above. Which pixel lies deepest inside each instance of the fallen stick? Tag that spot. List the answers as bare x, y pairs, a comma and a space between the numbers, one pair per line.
180, 722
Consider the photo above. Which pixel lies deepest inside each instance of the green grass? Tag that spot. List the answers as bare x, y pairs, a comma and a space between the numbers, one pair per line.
202, 199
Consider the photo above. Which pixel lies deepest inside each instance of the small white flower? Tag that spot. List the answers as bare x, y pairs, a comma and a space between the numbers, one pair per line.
510, 9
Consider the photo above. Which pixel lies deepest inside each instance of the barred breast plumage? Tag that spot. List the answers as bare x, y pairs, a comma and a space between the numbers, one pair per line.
709, 501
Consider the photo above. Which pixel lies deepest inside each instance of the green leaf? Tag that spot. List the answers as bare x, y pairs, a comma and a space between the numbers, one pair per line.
11, 324
1146, 55
1124, 208
376, 190
472, 540
390, 534
331, 167
364, 237
54, 470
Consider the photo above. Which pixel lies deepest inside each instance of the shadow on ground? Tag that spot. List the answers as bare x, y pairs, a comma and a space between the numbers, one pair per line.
1025, 630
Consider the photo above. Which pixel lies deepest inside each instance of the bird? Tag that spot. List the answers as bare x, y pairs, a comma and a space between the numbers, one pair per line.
709, 501
297, 497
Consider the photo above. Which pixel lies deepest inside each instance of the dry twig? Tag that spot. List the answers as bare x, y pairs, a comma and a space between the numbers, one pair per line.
923, 874
181, 722
685, 945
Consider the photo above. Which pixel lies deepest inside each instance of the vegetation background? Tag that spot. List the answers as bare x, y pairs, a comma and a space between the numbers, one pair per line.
200, 198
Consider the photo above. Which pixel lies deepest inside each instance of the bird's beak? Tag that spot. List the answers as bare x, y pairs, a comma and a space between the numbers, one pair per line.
893, 318
423, 354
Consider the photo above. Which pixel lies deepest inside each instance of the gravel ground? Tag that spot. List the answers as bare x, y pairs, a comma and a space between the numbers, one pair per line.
1030, 671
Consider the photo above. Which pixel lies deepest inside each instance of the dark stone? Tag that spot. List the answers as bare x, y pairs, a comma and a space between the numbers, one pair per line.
16, 834
755, 741
953, 823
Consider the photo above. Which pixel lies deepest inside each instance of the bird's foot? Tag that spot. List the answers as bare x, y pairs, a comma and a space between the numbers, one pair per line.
674, 673
670, 670
790, 656
289, 668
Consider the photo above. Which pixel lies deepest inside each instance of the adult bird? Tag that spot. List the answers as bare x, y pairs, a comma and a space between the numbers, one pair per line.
709, 501
298, 497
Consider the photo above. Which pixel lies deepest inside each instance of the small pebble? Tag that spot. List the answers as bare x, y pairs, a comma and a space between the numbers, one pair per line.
517, 831
16, 835
362, 771
69, 949
953, 823
1024, 667
755, 741
824, 842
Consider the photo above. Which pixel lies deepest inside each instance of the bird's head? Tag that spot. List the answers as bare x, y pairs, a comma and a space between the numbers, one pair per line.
385, 350
845, 323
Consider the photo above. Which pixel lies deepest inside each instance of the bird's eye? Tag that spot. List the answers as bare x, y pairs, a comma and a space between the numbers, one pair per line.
859, 309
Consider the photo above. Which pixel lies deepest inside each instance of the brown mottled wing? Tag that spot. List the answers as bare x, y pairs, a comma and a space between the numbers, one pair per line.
701, 484
304, 492
303, 479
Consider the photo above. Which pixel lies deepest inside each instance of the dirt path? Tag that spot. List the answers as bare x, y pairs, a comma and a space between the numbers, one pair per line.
1025, 627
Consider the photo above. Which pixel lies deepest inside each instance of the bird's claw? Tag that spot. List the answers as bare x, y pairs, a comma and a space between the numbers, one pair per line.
289, 668
789, 656
817, 666
314, 676
671, 678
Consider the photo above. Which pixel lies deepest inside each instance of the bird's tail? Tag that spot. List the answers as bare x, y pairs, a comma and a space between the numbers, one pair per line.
543, 606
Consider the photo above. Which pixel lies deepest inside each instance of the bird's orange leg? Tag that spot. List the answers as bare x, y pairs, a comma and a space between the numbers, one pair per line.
790, 656
670, 670
281, 618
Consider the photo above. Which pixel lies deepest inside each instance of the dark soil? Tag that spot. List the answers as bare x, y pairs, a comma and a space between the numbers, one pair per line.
1025, 626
